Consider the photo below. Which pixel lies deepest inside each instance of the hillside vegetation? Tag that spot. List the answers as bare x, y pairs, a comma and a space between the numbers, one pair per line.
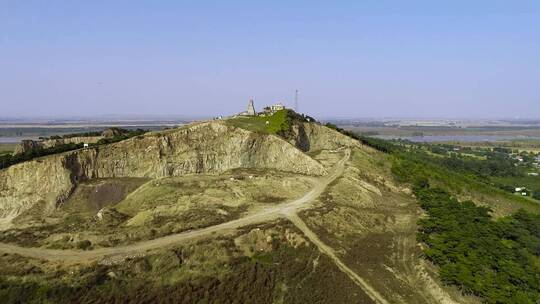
279, 123
496, 260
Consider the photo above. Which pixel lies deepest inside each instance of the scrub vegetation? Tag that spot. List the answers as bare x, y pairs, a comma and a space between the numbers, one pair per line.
213, 271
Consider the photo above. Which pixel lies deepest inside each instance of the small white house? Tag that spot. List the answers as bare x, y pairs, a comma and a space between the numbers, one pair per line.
519, 189
85, 145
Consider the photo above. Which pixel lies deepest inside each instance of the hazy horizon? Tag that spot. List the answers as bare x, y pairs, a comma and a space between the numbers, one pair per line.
375, 59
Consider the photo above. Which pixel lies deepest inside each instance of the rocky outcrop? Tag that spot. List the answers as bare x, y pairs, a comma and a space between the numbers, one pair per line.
36, 145
112, 132
310, 137
33, 145
26, 146
211, 147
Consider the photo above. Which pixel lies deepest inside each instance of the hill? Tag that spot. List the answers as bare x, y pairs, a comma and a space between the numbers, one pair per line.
224, 211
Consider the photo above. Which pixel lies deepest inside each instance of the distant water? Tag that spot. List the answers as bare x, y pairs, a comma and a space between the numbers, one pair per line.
462, 138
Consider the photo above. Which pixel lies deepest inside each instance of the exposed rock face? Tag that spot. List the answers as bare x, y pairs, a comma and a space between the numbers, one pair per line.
112, 132
71, 140
45, 180
27, 145
313, 137
33, 145
211, 147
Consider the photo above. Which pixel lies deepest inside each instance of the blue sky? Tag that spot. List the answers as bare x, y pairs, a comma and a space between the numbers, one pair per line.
465, 59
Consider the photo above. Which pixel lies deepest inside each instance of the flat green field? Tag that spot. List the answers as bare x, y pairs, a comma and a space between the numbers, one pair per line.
528, 145
7, 148
277, 122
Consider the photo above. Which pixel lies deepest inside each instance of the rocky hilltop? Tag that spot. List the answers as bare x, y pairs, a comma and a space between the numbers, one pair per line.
210, 147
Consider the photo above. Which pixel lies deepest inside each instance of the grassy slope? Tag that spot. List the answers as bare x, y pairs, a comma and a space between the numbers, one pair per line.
276, 123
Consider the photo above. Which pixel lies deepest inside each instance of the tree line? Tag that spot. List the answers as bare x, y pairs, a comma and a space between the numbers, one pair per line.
8, 160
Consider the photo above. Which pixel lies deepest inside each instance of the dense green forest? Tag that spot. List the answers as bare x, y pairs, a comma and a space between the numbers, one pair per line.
496, 260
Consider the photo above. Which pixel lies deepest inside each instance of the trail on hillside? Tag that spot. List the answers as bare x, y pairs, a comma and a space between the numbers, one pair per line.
368, 289
288, 210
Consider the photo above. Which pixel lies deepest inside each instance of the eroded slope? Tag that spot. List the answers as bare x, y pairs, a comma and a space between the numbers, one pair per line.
211, 147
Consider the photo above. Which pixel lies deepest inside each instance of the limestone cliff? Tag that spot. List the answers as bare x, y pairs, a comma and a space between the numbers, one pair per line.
211, 147
312, 137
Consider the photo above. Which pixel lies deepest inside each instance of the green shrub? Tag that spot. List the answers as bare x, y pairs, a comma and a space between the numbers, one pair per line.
84, 245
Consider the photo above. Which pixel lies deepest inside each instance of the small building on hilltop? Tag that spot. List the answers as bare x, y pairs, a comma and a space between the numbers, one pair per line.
277, 107
270, 110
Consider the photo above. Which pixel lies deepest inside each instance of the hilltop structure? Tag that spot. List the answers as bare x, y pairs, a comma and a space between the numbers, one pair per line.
250, 110
271, 110
276, 107
267, 111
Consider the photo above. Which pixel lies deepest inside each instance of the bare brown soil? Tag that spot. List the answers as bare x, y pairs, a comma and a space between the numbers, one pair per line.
96, 194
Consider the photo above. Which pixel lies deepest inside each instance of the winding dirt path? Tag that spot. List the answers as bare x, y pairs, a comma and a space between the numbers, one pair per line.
368, 289
288, 210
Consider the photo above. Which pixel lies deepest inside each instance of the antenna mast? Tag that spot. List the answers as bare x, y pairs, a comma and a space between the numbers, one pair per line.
296, 101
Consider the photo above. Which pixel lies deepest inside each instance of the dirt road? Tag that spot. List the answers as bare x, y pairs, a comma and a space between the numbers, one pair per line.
258, 216
288, 210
